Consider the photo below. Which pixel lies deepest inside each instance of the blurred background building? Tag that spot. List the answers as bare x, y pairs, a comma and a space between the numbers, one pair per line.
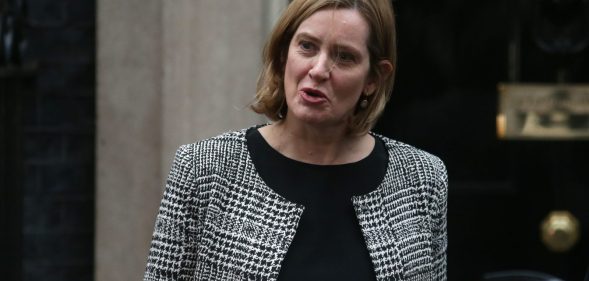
97, 94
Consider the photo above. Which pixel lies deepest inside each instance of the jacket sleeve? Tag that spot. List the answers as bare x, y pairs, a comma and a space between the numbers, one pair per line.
172, 256
440, 234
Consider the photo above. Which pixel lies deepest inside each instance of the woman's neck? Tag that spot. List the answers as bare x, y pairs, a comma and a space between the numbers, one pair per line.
321, 146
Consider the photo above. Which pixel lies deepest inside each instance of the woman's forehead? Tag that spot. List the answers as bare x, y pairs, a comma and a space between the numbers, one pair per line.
343, 25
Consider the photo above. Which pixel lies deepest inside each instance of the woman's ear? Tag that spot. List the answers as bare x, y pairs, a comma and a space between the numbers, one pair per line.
385, 68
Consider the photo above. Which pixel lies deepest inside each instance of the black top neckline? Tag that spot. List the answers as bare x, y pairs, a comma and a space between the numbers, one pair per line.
260, 150
257, 136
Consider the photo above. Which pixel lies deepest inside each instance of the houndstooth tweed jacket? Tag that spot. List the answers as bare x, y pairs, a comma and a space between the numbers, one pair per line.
218, 220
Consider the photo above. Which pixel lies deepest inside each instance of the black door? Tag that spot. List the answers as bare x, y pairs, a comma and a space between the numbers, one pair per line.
452, 55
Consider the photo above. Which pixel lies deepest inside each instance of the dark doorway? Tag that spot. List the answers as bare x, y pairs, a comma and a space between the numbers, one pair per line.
47, 134
452, 55
14, 85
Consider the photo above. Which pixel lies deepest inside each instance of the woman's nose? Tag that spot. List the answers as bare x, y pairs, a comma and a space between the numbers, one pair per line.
321, 69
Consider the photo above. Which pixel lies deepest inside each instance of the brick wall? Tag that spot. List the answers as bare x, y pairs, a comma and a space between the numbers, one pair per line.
59, 129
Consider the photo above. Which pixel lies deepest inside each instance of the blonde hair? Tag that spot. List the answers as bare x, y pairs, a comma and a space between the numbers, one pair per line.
270, 97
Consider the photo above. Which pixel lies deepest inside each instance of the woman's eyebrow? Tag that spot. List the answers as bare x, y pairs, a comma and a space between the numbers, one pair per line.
306, 35
347, 48
339, 45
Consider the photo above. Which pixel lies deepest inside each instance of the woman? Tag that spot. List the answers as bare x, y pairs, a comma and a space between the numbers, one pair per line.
313, 195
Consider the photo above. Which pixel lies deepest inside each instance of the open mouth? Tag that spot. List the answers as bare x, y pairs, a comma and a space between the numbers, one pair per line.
313, 93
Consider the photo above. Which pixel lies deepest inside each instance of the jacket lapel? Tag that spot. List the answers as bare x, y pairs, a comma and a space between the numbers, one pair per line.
380, 237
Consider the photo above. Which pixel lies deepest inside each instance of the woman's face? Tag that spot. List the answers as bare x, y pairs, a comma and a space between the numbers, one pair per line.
327, 68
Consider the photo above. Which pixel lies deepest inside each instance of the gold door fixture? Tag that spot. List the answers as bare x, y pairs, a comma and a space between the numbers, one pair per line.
560, 231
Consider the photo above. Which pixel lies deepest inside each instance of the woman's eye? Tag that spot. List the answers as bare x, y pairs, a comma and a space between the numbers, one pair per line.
306, 46
345, 57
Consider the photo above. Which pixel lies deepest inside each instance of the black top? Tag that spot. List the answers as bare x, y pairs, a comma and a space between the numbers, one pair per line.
328, 244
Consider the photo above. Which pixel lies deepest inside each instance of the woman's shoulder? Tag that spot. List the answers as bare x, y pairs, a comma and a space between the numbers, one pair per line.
408, 155
227, 145
214, 154
220, 142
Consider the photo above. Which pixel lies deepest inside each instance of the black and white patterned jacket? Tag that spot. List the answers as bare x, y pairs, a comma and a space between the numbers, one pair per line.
219, 221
